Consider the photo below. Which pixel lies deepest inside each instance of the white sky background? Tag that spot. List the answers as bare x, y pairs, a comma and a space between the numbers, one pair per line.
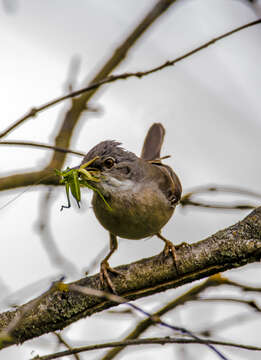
209, 105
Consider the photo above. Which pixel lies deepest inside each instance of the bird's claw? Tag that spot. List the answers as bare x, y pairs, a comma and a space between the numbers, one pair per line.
170, 248
105, 277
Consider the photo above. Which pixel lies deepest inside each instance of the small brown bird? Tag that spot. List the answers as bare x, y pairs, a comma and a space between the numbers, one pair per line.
141, 191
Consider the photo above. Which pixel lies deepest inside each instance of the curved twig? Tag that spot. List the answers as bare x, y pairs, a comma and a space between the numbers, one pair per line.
148, 341
43, 146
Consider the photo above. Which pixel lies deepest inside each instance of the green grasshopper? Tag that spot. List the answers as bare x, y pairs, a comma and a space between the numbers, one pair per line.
75, 178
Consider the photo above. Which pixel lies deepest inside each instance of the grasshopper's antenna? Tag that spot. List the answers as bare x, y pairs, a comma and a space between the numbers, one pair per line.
24, 191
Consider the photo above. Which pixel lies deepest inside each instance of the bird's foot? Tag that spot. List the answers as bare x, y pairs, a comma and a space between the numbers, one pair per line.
169, 248
105, 277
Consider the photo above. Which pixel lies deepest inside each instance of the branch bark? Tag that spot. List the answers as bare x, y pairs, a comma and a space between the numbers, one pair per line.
230, 248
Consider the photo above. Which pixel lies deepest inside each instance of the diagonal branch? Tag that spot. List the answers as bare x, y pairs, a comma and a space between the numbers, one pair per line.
146, 323
191, 294
80, 104
98, 83
65, 343
230, 248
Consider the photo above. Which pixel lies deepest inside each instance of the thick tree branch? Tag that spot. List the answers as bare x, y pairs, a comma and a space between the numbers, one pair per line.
230, 248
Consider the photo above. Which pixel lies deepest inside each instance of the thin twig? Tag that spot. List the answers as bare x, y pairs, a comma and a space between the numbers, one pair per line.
80, 104
62, 341
243, 287
215, 188
182, 299
43, 146
189, 295
35, 110
147, 341
250, 303
102, 77
153, 318
187, 199
218, 206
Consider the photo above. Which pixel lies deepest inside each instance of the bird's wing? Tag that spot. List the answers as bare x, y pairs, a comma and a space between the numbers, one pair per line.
171, 185
153, 142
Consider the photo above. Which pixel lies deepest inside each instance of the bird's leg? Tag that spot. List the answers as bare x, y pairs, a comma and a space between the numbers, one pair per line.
105, 267
169, 247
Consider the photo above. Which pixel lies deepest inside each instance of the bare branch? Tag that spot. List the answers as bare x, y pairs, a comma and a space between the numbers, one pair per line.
62, 341
192, 294
154, 319
250, 303
215, 188
148, 341
80, 104
187, 199
232, 247
96, 84
43, 146
146, 323
233, 206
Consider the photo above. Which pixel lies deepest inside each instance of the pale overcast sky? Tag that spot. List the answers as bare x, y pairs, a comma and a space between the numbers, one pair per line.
209, 105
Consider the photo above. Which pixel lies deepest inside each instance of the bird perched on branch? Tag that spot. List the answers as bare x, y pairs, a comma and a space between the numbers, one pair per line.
142, 193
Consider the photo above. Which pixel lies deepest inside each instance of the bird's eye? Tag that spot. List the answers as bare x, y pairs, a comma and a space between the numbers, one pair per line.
109, 162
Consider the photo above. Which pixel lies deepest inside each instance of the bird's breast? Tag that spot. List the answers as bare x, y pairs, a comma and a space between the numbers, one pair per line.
137, 211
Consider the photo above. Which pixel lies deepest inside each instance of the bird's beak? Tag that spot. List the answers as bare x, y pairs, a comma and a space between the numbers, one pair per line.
90, 173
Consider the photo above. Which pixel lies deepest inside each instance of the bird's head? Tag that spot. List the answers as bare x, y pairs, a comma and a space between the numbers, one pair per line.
113, 165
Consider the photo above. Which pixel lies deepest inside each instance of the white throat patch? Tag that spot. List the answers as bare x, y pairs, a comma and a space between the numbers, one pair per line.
113, 184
